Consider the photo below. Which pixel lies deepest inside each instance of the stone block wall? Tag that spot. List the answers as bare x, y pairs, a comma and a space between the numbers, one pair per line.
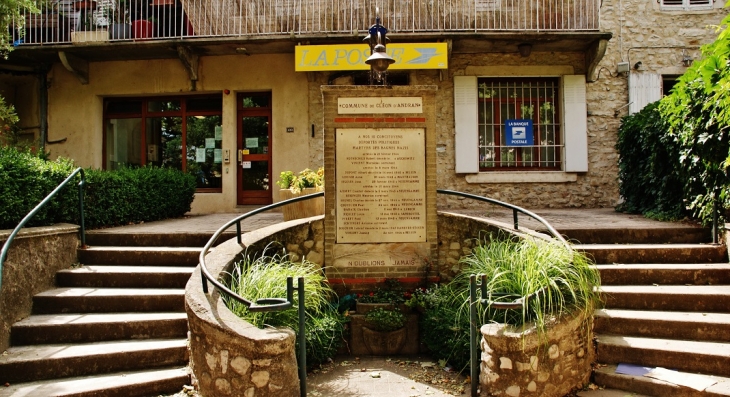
517, 362
36, 254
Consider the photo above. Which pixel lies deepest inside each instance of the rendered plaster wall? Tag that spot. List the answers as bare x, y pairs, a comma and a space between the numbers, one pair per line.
36, 254
76, 110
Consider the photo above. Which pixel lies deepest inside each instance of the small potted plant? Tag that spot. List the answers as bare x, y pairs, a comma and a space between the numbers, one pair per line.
384, 332
389, 295
306, 182
120, 24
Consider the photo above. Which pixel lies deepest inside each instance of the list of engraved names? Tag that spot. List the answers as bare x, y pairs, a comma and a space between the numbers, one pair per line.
380, 185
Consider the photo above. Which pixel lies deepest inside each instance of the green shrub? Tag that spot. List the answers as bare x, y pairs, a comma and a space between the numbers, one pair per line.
265, 277
385, 320
513, 269
649, 169
110, 197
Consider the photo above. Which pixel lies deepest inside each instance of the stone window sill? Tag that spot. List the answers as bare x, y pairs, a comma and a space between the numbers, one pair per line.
522, 177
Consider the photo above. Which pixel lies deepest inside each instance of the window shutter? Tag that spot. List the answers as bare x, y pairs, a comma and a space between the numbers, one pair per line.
466, 150
644, 88
575, 123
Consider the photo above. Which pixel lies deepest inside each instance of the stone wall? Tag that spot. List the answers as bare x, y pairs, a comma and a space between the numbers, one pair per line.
35, 256
518, 363
228, 356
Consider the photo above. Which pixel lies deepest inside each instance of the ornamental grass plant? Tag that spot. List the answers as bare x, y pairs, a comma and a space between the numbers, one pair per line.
265, 277
559, 280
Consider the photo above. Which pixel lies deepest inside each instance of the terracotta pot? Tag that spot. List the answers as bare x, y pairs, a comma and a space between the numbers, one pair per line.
142, 29
384, 343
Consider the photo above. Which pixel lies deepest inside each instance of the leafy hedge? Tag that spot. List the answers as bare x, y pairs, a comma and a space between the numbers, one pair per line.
649, 168
110, 197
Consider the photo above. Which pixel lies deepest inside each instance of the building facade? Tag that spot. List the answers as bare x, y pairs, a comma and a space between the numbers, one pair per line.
530, 98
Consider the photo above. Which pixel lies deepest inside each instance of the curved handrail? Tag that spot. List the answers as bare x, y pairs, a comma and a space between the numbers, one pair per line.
6, 246
264, 304
515, 209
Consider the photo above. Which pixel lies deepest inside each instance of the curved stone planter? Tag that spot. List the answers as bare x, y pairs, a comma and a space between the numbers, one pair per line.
518, 363
229, 356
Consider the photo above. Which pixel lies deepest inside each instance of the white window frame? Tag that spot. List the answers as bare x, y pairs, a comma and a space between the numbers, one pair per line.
574, 130
685, 5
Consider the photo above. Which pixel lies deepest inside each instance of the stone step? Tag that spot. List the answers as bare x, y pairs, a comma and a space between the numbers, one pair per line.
140, 256
121, 384
124, 276
677, 234
659, 324
607, 376
31, 363
107, 300
82, 327
668, 274
187, 239
688, 298
609, 393
683, 355
648, 253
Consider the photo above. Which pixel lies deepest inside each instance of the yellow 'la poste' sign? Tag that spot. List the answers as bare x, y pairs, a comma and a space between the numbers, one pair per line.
317, 58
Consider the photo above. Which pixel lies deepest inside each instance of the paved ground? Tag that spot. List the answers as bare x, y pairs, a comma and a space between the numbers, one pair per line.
561, 219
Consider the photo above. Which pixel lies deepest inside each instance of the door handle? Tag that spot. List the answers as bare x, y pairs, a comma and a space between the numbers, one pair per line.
240, 155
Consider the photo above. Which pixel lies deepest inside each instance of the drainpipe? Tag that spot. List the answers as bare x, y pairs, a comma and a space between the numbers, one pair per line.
43, 110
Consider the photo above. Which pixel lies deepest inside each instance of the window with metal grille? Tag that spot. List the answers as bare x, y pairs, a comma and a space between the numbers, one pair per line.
534, 99
685, 4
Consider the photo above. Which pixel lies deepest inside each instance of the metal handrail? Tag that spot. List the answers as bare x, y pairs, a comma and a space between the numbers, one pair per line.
515, 210
6, 246
263, 304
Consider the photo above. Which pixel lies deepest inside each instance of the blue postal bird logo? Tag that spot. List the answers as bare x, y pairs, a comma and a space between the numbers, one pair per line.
519, 132
425, 56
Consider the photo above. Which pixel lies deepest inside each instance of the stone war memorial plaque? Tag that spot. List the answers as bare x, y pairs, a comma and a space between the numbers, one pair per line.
381, 187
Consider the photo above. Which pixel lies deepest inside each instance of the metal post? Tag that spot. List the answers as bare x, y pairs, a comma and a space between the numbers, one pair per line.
514, 219
302, 339
715, 231
472, 335
81, 209
238, 232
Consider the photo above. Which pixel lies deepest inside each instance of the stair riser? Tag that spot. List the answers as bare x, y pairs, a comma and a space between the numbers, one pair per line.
704, 254
110, 280
154, 240
619, 276
84, 333
139, 258
108, 304
87, 365
689, 362
667, 302
161, 387
638, 236
709, 332
647, 387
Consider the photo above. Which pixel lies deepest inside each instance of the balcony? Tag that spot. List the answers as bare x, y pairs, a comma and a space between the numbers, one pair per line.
62, 21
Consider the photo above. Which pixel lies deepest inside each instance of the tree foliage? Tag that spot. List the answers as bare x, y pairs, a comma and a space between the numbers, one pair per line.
11, 17
698, 117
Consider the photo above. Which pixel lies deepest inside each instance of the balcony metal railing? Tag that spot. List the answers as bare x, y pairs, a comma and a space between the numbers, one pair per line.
65, 21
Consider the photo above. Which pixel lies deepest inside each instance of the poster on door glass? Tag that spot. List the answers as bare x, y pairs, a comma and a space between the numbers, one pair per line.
217, 155
200, 155
252, 142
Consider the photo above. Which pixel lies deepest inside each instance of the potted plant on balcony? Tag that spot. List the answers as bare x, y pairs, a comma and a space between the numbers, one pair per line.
87, 28
120, 25
306, 182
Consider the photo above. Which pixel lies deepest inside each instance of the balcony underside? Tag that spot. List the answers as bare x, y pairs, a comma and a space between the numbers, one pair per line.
38, 57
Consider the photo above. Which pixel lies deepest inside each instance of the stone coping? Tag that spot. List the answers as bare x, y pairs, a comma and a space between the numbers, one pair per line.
39, 231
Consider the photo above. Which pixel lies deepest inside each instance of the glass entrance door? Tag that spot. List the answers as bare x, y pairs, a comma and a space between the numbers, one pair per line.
254, 149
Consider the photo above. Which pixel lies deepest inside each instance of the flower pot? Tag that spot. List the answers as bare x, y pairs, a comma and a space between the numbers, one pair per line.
120, 31
302, 209
142, 29
89, 36
384, 343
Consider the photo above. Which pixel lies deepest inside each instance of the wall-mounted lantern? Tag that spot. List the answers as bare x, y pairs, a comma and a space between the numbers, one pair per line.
379, 59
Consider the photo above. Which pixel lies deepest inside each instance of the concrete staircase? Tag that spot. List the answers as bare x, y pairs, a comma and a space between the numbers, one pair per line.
114, 326
667, 305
